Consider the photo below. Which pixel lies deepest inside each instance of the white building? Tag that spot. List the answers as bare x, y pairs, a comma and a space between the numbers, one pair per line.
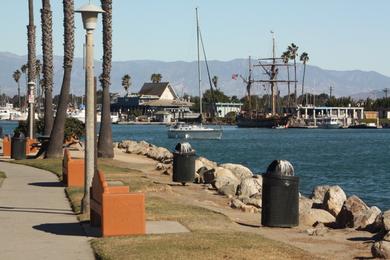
224, 108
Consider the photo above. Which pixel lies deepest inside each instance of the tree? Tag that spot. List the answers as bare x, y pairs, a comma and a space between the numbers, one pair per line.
304, 58
215, 81
105, 147
38, 67
286, 57
57, 134
47, 51
293, 51
16, 75
126, 83
156, 78
31, 60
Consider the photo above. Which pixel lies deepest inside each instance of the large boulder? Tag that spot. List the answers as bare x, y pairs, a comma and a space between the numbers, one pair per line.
207, 163
198, 164
386, 220
250, 186
318, 194
334, 200
240, 171
305, 205
229, 189
381, 249
352, 208
309, 218
223, 177
367, 220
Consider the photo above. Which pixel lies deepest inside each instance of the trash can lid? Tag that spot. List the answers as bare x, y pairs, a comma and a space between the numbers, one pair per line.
280, 167
184, 148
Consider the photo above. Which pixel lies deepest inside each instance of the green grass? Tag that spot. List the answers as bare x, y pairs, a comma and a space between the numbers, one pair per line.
51, 165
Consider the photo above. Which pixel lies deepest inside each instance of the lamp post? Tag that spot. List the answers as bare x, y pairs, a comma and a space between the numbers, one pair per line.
89, 14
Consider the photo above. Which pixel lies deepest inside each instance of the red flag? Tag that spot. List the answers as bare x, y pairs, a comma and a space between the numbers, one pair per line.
235, 76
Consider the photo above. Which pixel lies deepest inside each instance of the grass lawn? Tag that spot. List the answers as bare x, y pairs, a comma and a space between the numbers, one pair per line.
212, 235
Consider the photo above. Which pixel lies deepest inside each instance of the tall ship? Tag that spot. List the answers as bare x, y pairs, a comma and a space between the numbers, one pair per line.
275, 117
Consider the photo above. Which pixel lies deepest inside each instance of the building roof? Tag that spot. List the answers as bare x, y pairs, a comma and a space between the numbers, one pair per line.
167, 103
156, 89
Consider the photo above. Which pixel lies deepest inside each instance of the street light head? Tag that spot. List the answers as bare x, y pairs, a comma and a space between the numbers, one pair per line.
89, 14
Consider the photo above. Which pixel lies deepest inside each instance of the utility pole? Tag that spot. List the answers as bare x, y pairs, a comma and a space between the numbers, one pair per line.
330, 92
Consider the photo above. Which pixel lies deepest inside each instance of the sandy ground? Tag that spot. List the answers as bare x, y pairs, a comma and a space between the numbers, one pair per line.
336, 244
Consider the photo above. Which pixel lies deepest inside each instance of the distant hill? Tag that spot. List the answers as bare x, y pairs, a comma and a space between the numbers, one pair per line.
183, 77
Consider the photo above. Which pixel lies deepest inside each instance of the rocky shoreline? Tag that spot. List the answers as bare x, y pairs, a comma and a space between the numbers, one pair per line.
328, 207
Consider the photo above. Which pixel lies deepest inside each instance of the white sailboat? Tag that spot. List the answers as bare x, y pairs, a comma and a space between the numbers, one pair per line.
196, 131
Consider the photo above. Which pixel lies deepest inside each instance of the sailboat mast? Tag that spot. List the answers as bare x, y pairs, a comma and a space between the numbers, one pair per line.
199, 75
273, 75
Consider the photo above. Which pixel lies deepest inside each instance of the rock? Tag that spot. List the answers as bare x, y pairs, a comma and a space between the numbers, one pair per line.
160, 166
315, 215
318, 194
224, 176
350, 213
381, 249
229, 189
240, 171
236, 203
198, 164
305, 205
334, 200
318, 230
250, 186
207, 163
256, 202
386, 220
249, 209
281, 167
387, 237
367, 220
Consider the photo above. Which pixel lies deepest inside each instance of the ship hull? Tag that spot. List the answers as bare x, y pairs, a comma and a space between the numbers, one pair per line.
269, 122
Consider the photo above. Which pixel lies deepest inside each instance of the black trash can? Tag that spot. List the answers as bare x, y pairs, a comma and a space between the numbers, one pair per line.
18, 147
183, 163
280, 196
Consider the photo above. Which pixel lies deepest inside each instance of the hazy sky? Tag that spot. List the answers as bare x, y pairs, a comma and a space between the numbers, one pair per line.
337, 34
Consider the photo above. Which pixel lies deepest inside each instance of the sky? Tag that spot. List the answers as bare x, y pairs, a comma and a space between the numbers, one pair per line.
337, 34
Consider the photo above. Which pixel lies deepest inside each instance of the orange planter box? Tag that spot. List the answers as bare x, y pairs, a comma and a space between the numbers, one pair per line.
72, 171
30, 149
116, 210
6, 146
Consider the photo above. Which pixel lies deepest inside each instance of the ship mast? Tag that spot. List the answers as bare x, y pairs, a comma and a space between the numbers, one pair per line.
273, 76
199, 75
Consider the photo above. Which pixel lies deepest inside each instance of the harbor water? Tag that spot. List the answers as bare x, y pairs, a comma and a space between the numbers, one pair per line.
356, 159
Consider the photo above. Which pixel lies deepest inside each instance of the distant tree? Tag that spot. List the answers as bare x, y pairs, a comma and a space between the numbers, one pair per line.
215, 81
293, 51
234, 99
16, 75
216, 96
126, 83
286, 57
156, 78
304, 58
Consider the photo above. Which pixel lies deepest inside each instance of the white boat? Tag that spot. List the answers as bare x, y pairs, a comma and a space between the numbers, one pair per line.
330, 123
196, 131
8, 112
80, 115
187, 131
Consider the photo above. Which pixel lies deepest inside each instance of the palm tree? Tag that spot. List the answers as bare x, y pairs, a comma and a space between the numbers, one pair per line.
156, 78
286, 57
54, 149
16, 75
293, 50
31, 58
215, 81
126, 83
47, 50
105, 147
304, 58
38, 67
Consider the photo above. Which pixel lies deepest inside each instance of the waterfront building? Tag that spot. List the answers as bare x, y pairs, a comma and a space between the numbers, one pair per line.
224, 108
345, 115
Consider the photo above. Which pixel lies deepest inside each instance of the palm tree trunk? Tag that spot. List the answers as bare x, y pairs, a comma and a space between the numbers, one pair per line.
19, 102
47, 50
31, 62
295, 81
57, 134
105, 147
288, 87
303, 81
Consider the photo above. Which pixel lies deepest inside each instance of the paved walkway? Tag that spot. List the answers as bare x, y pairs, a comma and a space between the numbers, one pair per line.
35, 218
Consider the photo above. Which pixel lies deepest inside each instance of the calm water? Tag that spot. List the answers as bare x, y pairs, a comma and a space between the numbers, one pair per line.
356, 159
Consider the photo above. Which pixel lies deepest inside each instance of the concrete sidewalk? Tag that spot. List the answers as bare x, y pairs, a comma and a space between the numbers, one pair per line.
36, 219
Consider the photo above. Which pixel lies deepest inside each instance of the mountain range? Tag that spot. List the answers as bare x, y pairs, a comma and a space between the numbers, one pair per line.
183, 77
